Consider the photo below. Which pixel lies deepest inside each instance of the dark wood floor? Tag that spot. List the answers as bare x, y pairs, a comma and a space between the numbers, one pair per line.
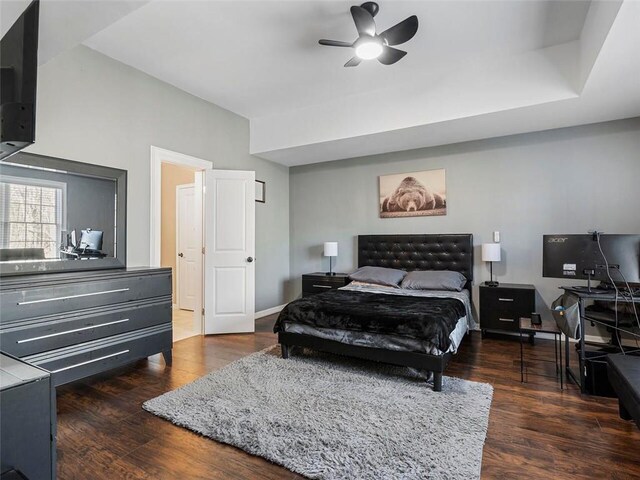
535, 430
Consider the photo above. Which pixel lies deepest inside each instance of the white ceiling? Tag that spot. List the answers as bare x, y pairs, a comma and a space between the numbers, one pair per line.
475, 69
262, 58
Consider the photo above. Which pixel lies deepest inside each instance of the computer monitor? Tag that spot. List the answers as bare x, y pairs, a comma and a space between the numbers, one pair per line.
91, 240
579, 257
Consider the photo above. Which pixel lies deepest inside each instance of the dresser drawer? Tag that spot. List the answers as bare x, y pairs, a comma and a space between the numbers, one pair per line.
508, 302
68, 297
27, 337
316, 286
500, 321
82, 360
318, 283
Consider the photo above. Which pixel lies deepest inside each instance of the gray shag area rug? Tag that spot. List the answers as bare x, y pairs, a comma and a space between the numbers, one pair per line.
331, 417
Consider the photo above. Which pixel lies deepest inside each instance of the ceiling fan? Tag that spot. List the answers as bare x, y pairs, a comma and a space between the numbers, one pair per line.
369, 44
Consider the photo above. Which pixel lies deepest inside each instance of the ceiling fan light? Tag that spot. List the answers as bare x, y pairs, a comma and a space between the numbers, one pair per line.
369, 50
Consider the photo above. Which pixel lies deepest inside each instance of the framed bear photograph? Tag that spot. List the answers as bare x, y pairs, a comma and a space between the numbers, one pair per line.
413, 194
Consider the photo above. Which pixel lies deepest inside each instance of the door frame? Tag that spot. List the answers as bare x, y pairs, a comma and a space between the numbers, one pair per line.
158, 157
180, 188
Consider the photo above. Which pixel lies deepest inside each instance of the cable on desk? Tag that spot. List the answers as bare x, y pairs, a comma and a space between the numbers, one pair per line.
629, 290
633, 303
606, 264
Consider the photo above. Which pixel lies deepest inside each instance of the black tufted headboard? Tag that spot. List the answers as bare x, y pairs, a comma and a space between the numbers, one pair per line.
418, 252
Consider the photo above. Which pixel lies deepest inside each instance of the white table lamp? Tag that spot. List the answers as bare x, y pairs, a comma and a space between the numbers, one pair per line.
491, 253
330, 250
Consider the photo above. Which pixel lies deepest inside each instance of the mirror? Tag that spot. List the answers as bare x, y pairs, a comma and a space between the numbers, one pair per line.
58, 215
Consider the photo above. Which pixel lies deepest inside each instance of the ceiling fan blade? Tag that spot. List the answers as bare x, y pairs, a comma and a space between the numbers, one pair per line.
334, 43
354, 62
364, 21
402, 32
390, 55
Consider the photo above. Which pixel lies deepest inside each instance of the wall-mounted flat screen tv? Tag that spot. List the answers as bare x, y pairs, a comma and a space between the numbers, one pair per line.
18, 74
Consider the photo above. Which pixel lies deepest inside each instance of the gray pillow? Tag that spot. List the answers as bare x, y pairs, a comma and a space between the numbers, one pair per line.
379, 275
434, 280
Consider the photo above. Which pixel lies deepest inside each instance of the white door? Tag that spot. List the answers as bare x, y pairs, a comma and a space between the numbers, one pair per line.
187, 247
229, 291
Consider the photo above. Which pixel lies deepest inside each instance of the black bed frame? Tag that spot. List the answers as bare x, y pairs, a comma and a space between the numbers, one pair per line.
405, 252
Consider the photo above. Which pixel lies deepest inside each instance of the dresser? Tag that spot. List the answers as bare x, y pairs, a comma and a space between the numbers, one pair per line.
502, 307
28, 408
319, 282
74, 325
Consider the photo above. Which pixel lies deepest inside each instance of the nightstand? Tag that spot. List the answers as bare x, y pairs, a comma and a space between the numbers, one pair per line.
502, 307
319, 282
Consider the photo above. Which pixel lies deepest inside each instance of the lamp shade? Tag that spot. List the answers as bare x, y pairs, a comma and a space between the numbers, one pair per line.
490, 252
330, 249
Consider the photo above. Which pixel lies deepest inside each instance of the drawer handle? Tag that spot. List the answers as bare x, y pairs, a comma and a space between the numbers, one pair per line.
26, 340
506, 299
89, 361
29, 302
322, 286
507, 319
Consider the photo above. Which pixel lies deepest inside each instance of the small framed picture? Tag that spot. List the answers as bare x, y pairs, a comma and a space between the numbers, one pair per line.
260, 191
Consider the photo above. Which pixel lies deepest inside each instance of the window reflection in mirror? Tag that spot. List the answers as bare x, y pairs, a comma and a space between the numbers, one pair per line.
54, 215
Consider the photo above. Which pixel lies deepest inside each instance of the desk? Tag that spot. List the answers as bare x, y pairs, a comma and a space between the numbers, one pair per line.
548, 325
78, 255
584, 296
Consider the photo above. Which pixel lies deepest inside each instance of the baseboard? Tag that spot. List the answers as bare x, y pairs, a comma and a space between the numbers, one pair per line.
594, 338
269, 311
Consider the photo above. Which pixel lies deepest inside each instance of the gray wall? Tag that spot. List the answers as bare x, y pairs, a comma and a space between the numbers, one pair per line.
563, 181
93, 109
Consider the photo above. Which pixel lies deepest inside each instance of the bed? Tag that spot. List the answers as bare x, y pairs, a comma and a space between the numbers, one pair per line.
417, 329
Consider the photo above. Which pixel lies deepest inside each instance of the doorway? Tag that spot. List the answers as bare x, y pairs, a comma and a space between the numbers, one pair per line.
178, 227
177, 233
220, 235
